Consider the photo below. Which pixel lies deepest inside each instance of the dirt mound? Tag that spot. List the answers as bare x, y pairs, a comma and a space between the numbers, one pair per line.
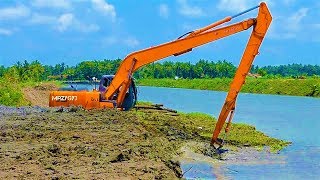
39, 94
83, 144
44, 143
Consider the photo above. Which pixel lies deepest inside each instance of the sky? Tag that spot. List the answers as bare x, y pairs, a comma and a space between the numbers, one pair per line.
71, 31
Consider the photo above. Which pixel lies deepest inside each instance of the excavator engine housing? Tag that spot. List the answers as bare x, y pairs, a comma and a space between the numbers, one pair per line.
93, 99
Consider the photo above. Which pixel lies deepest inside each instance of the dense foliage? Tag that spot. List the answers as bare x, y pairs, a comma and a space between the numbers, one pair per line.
290, 70
11, 94
35, 71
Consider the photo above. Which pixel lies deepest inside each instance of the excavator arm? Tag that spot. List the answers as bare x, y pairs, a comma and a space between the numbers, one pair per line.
134, 61
259, 30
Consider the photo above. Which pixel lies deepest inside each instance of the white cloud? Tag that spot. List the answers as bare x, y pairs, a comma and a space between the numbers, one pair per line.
68, 21
65, 21
105, 8
6, 32
188, 10
16, 12
63, 4
87, 27
287, 27
164, 10
294, 21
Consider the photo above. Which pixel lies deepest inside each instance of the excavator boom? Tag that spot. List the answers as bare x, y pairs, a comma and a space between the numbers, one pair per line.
140, 58
263, 22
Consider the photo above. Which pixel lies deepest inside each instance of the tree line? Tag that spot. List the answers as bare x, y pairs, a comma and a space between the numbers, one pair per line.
35, 71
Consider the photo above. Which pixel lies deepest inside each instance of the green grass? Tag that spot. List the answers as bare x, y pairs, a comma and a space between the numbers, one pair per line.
293, 87
144, 103
11, 94
202, 125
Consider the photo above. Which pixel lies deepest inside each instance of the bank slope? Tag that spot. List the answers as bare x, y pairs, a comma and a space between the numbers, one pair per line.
293, 87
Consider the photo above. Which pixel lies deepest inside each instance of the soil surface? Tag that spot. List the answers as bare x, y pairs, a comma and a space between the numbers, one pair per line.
39, 95
73, 143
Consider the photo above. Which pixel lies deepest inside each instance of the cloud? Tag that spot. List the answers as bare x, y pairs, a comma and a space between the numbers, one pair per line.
65, 21
287, 27
61, 4
17, 12
68, 21
190, 11
5, 32
294, 21
86, 28
104, 8
164, 11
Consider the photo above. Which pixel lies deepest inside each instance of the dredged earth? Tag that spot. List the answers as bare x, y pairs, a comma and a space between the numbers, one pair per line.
55, 143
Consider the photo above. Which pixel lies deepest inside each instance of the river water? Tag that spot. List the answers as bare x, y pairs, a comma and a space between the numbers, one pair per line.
295, 119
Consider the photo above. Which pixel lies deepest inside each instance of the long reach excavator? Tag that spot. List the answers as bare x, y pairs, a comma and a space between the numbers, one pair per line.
119, 91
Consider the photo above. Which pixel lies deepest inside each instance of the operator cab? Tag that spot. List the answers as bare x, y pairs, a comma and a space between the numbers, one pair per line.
130, 99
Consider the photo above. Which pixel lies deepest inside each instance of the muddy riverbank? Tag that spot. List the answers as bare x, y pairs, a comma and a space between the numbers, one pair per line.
38, 142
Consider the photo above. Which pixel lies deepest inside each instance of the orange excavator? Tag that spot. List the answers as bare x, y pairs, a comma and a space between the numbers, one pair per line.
119, 90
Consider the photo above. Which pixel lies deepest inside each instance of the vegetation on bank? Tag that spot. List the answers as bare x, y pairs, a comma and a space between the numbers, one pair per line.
11, 92
203, 124
283, 86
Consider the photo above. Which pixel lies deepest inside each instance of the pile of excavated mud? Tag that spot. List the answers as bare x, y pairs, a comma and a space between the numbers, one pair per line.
41, 143
39, 94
